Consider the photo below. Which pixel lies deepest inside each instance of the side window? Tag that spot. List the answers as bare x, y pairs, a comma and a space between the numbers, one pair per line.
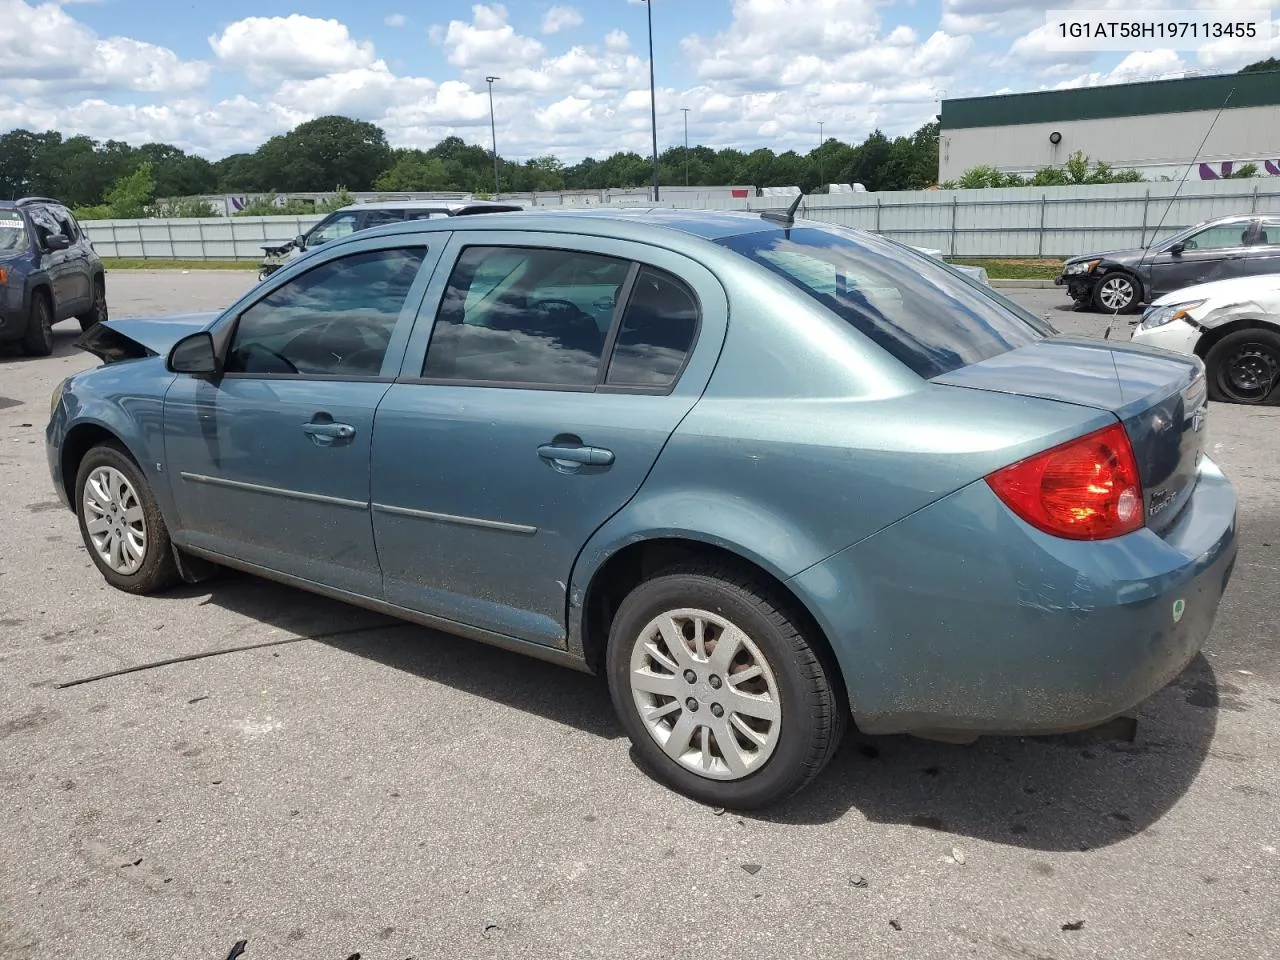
342, 225
66, 223
658, 330
524, 316
1270, 234
376, 218
45, 225
336, 319
1219, 238
415, 214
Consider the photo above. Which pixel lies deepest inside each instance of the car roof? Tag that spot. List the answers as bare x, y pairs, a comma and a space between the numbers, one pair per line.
450, 206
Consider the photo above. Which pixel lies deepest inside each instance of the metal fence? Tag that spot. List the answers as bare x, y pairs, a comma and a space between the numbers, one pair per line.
1007, 222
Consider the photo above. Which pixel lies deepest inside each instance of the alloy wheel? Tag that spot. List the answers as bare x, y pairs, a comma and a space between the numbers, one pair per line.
114, 519
706, 694
1116, 293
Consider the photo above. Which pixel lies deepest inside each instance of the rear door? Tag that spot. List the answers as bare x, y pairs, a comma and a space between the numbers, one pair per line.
1263, 254
543, 378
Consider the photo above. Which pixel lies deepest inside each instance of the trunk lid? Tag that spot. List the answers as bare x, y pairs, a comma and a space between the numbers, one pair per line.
1159, 397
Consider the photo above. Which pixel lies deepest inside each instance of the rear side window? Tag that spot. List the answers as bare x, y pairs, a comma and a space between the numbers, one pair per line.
917, 309
1270, 233
658, 329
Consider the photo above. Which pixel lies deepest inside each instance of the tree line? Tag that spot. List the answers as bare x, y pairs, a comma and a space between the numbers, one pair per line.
108, 178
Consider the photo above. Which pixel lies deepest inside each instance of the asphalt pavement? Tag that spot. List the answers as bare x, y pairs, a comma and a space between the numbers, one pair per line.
377, 788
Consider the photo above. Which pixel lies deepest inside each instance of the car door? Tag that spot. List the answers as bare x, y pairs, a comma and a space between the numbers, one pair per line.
1263, 253
269, 462
1212, 254
55, 263
79, 274
529, 410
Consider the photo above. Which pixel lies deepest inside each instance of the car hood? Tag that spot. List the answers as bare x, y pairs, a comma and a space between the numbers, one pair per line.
1126, 257
1264, 290
114, 340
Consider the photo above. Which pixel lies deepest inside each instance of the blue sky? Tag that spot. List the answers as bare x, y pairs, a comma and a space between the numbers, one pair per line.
218, 78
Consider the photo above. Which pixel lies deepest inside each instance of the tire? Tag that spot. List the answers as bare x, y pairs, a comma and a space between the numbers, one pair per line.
1244, 367
146, 567
37, 341
801, 692
1117, 293
98, 312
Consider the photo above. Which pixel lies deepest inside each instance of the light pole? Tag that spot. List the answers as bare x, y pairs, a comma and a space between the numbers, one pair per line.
685, 111
653, 101
821, 174
493, 131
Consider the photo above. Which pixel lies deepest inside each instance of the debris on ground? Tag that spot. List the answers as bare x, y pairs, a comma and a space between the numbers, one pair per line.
751, 868
718, 811
237, 949
857, 881
489, 925
895, 924
199, 698
957, 855
1073, 925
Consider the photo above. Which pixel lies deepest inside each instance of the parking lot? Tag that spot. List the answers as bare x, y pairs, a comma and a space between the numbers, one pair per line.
376, 788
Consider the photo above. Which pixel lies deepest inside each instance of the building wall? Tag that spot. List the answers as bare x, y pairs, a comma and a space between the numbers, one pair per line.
1156, 144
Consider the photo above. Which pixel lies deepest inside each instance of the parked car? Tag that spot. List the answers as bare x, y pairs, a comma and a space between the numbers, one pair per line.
362, 216
763, 474
48, 272
1122, 280
1233, 325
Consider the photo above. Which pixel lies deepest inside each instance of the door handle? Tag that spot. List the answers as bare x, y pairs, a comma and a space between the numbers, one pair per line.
584, 456
326, 433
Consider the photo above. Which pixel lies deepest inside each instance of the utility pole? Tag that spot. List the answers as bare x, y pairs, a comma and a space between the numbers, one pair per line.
493, 131
653, 101
821, 173
685, 111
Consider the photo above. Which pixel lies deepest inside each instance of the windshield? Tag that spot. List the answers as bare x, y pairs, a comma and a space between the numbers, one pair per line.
930, 317
13, 233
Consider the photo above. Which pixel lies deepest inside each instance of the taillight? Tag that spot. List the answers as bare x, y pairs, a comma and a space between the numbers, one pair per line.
1085, 489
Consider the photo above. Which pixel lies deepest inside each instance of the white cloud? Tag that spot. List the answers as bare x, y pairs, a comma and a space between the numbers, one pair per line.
488, 43
560, 18
395, 20
292, 46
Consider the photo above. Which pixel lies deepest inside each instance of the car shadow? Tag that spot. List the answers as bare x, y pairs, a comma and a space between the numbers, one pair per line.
65, 335
1070, 792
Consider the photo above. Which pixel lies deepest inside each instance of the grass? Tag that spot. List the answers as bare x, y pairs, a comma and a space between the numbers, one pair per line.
1028, 268
121, 263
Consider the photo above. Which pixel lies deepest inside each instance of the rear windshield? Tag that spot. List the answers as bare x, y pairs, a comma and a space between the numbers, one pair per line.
13, 234
925, 314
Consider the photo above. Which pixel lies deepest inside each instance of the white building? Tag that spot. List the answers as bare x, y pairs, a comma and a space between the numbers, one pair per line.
1154, 127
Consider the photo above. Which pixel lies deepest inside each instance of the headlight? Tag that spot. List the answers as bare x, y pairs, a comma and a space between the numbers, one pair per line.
57, 395
1159, 316
1084, 266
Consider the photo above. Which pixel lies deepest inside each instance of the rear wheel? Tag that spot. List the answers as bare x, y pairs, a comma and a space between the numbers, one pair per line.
1244, 367
98, 312
38, 339
1117, 293
722, 693
120, 523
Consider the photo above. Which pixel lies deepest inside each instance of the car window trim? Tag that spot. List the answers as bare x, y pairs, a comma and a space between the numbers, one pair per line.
606, 355
408, 312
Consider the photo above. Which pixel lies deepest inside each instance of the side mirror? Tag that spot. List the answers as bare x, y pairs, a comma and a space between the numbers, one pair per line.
300, 241
56, 241
1177, 249
194, 354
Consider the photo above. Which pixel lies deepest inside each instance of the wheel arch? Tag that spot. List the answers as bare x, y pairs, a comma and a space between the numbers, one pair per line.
642, 559
1213, 335
1106, 270
79, 440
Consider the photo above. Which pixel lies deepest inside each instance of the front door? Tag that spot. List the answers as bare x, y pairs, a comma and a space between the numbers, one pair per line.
269, 463
553, 377
1206, 256
57, 264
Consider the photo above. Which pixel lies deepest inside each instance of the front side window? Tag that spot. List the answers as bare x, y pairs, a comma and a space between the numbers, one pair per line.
13, 232
335, 320
917, 309
525, 316
66, 224
340, 226
1218, 238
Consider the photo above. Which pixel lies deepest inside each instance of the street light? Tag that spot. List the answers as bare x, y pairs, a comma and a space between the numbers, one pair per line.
821, 174
685, 111
493, 130
653, 101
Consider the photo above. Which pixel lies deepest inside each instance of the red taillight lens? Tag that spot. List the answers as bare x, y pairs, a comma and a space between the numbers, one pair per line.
1086, 489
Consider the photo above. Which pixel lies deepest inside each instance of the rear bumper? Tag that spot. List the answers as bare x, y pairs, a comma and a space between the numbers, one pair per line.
963, 618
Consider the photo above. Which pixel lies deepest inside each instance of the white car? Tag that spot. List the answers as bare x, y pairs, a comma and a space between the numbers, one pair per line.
1233, 325
977, 273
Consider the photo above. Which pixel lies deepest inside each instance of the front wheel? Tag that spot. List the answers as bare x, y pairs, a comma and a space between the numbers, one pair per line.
120, 523
722, 693
1244, 367
1117, 293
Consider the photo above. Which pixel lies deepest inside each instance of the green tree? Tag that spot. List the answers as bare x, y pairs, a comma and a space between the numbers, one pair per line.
1248, 171
1262, 66
414, 170
131, 196
325, 151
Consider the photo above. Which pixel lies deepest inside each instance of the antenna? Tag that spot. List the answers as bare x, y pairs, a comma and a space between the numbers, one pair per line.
788, 218
1194, 160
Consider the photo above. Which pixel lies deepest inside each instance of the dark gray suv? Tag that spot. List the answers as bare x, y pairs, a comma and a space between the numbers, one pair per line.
48, 272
